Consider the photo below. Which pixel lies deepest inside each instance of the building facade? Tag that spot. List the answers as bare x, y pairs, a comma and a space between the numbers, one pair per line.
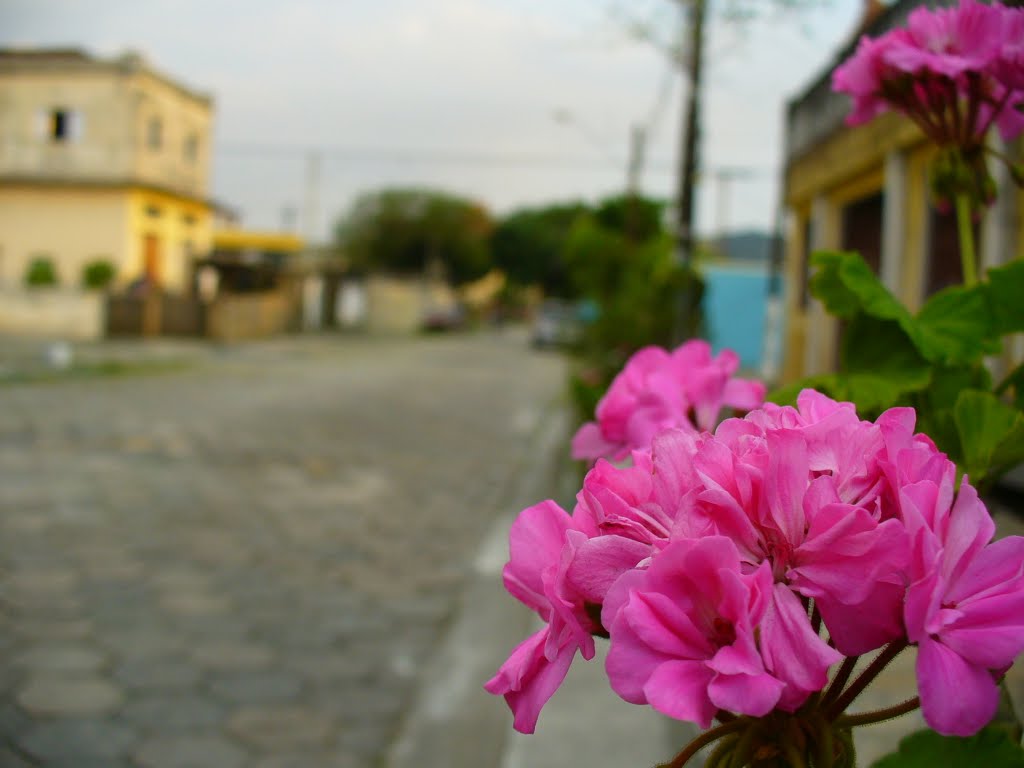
102, 159
865, 189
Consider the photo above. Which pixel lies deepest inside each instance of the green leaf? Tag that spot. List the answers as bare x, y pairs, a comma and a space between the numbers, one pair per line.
935, 404
990, 748
991, 433
879, 364
957, 326
845, 284
1005, 287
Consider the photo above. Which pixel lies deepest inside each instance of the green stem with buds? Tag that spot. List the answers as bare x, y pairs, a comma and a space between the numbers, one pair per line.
703, 740
967, 253
880, 662
879, 715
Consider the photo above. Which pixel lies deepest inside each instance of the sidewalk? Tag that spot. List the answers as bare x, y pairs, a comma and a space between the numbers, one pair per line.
456, 724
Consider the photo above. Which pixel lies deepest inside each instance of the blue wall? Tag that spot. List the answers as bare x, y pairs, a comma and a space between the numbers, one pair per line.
735, 298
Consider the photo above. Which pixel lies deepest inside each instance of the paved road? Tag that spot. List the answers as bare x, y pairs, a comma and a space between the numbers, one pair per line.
245, 562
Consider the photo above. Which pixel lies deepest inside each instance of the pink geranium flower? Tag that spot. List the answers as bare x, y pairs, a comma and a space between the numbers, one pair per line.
964, 606
683, 634
535, 575
658, 390
954, 71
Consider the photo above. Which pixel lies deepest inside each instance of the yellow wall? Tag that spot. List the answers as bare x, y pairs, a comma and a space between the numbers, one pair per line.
183, 229
76, 225
71, 226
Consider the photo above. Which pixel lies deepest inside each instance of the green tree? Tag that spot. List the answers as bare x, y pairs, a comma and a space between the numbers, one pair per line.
622, 262
410, 230
528, 246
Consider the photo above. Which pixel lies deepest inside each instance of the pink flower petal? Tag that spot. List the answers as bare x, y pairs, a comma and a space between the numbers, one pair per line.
754, 695
527, 679
679, 689
957, 698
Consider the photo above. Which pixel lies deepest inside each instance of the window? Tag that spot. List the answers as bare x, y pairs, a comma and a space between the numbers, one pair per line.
60, 125
191, 148
154, 133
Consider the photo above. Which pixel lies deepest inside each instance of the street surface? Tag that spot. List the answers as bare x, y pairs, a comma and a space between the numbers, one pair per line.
247, 560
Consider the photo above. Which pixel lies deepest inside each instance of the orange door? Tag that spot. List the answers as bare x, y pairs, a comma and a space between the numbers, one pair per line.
151, 260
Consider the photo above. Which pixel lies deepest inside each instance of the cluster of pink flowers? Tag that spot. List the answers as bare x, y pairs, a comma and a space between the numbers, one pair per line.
710, 560
686, 388
954, 71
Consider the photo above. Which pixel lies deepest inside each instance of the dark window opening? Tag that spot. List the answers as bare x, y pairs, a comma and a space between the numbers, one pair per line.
60, 125
862, 229
945, 268
805, 263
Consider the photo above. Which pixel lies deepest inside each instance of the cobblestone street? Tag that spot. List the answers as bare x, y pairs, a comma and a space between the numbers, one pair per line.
245, 562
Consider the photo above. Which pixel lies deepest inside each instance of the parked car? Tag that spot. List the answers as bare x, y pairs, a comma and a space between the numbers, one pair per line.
451, 318
556, 324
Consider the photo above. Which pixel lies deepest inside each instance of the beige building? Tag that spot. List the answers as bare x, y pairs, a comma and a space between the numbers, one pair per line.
101, 159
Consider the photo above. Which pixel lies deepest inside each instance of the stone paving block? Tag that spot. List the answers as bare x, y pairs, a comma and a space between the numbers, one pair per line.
256, 687
195, 604
44, 629
161, 673
281, 728
171, 711
232, 656
77, 739
189, 751
148, 640
67, 695
56, 659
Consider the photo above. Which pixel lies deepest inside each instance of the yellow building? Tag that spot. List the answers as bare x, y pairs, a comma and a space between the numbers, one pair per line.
101, 159
865, 188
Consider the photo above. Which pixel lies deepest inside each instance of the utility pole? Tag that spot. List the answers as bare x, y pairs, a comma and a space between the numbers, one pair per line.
689, 149
689, 134
311, 208
637, 147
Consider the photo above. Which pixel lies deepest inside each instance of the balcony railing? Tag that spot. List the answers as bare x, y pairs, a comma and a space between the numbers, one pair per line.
79, 162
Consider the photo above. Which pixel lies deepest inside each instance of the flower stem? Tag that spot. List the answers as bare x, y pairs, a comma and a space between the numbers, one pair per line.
880, 662
879, 715
966, 231
703, 740
839, 681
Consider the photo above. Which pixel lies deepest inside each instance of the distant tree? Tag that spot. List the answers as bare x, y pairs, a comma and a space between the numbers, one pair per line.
411, 230
636, 218
528, 245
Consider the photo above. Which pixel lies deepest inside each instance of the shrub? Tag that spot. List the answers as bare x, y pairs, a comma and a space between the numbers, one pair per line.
97, 274
41, 272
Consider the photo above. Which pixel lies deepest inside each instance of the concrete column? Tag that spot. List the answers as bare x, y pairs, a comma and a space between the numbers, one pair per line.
1000, 226
819, 351
999, 245
894, 220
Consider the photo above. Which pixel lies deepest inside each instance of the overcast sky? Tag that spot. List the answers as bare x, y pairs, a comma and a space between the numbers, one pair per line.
512, 102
